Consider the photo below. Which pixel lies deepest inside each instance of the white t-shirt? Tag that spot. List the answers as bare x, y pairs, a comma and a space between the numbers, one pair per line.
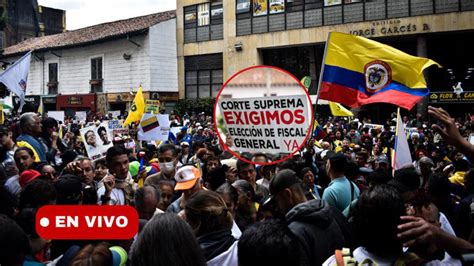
228, 258
116, 196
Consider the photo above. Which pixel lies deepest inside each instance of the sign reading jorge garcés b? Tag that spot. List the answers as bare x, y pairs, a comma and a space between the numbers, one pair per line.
277, 124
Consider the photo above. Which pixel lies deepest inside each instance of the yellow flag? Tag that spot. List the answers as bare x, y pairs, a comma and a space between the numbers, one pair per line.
339, 110
138, 108
40, 107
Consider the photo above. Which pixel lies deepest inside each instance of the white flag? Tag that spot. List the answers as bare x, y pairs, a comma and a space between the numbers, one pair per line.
401, 156
154, 127
15, 77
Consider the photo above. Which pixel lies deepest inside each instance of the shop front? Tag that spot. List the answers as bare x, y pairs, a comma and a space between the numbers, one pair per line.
168, 99
120, 102
76, 102
32, 103
49, 103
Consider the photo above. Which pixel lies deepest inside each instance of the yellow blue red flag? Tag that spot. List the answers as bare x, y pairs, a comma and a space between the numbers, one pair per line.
360, 71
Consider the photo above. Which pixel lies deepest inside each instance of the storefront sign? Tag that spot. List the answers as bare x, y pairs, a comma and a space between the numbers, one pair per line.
31, 100
49, 100
164, 96
451, 97
75, 100
391, 27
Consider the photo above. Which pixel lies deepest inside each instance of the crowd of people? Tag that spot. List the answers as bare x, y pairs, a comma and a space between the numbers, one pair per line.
335, 202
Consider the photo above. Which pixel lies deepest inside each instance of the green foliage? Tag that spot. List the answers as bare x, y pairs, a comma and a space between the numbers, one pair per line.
196, 105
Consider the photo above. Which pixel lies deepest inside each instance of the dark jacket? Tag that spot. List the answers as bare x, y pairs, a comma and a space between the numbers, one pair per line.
215, 243
320, 229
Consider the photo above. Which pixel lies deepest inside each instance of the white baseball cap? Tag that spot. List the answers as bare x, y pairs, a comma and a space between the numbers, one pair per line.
186, 177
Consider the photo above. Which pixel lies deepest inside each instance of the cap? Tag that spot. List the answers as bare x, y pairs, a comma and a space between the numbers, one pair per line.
406, 179
382, 159
184, 128
200, 128
186, 177
27, 176
198, 124
282, 180
119, 256
184, 143
134, 167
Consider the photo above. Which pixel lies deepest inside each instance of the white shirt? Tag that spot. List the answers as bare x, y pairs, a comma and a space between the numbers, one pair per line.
264, 182
228, 258
117, 196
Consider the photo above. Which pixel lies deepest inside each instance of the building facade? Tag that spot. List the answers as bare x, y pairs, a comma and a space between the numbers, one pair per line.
291, 34
97, 68
23, 19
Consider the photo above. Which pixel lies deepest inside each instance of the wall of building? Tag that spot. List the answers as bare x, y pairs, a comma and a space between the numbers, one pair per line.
250, 55
162, 56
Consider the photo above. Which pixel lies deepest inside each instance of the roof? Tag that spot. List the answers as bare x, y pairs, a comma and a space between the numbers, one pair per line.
92, 34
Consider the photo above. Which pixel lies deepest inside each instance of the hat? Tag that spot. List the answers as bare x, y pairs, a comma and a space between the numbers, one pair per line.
134, 167
186, 177
27, 176
119, 256
198, 124
185, 143
426, 160
405, 179
282, 180
184, 128
382, 159
200, 128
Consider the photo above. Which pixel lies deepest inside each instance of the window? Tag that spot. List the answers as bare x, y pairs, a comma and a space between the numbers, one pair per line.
203, 76
96, 74
203, 15
53, 78
203, 22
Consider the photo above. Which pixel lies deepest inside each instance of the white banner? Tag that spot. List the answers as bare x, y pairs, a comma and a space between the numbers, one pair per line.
277, 124
154, 127
81, 116
58, 115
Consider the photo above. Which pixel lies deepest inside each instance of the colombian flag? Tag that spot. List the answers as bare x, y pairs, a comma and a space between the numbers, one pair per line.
149, 124
360, 71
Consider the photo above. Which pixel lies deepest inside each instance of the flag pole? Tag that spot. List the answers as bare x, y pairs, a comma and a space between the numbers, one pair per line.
319, 83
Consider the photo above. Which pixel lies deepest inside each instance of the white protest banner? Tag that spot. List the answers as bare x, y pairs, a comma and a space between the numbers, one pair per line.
277, 124
372, 126
58, 115
115, 114
81, 116
114, 124
97, 140
154, 127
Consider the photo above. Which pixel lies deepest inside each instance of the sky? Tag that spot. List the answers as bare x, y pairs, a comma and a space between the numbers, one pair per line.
83, 13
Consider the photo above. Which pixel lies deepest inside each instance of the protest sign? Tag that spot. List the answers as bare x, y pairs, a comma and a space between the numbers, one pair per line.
114, 124
81, 116
152, 106
154, 127
58, 115
97, 140
115, 114
277, 124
